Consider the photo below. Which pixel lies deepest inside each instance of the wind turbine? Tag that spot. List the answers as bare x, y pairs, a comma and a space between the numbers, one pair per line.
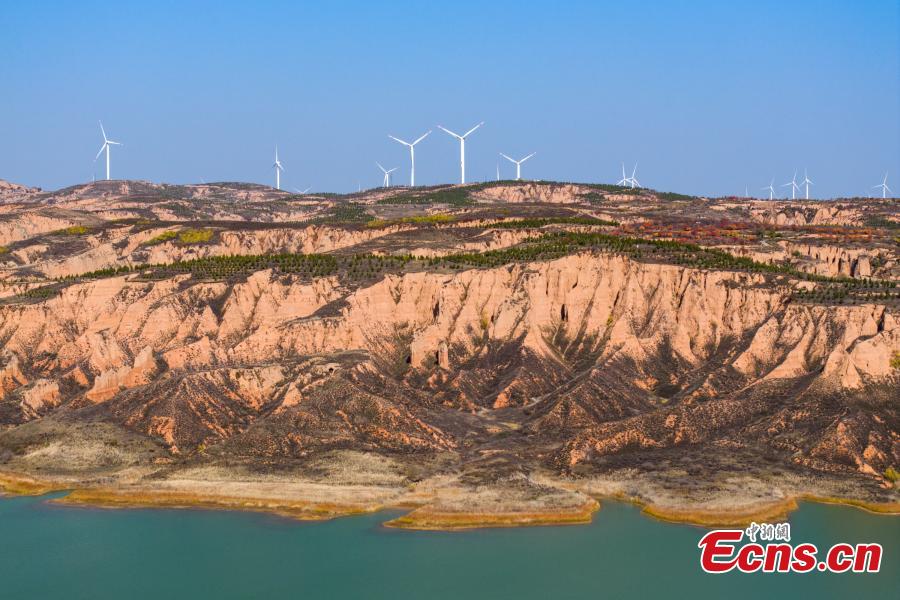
387, 175
518, 163
884, 187
624, 181
412, 156
278, 169
807, 182
771, 188
498, 170
462, 148
794, 186
634, 181
106, 144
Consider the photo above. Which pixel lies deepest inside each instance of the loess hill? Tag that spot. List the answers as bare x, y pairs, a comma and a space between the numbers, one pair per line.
485, 349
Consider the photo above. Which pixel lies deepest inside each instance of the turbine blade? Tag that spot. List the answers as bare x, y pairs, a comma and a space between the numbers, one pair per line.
466, 134
103, 131
456, 135
426, 134
380, 167
103, 147
527, 157
507, 158
399, 140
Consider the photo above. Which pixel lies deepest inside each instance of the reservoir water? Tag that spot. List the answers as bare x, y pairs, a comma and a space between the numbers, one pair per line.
49, 552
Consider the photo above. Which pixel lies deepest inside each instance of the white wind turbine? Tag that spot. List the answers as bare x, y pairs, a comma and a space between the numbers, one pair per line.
633, 179
462, 148
771, 188
106, 144
884, 187
412, 156
794, 186
625, 180
278, 169
387, 175
629, 181
806, 182
518, 163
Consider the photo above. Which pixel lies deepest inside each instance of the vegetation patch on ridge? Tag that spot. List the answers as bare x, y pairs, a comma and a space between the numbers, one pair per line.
549, 246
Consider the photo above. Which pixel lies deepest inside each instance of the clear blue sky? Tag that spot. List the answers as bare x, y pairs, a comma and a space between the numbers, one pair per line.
710, 97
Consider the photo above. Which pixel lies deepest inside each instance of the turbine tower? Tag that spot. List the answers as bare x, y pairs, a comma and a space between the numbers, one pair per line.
106, 144
771, 188
794, 186
884, 187
518, 163
412, 156
462, 148
387, 175
806, 182
278, 169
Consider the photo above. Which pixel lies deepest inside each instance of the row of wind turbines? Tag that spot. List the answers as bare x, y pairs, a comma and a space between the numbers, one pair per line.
795, 187
626, 180
462, 156
386, 173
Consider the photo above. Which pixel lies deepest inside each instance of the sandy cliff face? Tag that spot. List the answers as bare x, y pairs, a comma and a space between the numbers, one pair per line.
812, 213
534, 192
604, 353
14, 192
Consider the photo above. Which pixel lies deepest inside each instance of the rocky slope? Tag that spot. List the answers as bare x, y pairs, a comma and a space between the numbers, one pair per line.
513, 383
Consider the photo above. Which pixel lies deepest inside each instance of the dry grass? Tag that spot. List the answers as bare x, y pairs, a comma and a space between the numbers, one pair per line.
429, 518
172, 499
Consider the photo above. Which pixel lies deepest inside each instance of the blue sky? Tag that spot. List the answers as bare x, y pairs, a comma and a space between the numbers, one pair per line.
709, 97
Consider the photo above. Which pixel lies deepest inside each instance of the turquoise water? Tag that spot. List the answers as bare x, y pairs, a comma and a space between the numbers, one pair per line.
49, 551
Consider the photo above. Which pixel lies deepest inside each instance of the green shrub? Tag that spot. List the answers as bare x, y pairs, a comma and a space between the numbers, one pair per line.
895, 360
533, 223
891, 474
74, 230
419, 219
451, 196
165, 236
195, 236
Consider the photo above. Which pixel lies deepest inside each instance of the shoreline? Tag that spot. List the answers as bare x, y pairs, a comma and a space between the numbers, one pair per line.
429, 519
294, 509
422, 515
